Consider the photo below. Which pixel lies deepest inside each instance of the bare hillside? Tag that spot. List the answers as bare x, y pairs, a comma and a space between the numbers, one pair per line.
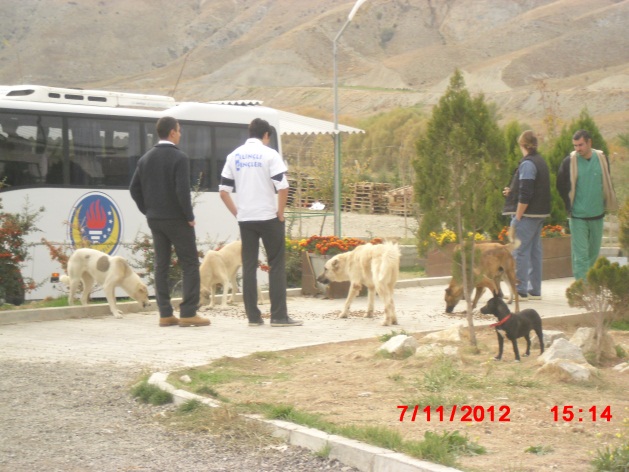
395, 52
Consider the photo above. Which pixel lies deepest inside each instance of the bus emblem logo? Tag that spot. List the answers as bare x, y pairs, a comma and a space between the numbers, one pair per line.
95, 220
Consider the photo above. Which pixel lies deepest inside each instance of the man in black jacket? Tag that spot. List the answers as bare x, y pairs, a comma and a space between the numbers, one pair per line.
528, 202
161, 190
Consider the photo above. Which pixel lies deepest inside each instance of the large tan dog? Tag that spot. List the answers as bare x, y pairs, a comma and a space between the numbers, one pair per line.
375, 266
496, 261
88, 266
220, 267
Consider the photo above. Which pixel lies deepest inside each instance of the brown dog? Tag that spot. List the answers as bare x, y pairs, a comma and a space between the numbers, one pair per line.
495, 261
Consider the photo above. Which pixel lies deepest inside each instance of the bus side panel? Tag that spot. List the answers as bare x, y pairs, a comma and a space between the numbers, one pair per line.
214, 225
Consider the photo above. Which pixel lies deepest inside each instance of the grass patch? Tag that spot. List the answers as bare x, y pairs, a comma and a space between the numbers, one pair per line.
151, 394
521, 382
412, 272
55, 303
210, 392
620, 325
385, 337
443, 448
46, 303
225, 422
403, 354
539, 450
611, 459
374, 435
324, 452
292, 415
190, 406
444, 374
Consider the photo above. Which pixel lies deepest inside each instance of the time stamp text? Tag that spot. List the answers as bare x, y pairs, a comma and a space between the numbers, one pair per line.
500, 414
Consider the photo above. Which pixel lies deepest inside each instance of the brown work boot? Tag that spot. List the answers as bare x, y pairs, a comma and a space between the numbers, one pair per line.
195, 320
168, 321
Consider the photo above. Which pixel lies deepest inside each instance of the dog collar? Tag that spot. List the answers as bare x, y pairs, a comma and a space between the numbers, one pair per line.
502, 321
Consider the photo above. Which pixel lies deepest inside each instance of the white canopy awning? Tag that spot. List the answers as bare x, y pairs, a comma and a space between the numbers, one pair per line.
292, 123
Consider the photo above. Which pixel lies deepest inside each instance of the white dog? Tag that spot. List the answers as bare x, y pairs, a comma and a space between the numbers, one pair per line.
375, 265
220, 267
87, 266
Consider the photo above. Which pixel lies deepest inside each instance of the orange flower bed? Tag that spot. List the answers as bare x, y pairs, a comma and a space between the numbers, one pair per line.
332, 245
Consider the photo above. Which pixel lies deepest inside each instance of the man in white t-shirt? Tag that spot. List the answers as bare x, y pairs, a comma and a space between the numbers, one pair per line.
257, 174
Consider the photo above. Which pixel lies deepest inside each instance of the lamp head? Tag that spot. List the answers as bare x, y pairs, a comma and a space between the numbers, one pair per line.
357, 5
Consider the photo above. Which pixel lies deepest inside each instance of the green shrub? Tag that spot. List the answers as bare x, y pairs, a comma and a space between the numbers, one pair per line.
151, 394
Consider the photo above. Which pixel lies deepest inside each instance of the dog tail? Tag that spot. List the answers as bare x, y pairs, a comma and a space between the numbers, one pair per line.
514, 242
64, 279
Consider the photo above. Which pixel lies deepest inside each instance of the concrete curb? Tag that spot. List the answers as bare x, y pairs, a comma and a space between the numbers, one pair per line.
350, 452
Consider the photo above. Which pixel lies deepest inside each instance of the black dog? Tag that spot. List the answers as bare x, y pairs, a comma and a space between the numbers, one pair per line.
514, 325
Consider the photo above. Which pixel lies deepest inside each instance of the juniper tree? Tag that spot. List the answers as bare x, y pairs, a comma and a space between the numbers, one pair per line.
460, 171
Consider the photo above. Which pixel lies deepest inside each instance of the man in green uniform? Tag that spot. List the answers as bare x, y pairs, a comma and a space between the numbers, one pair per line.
584, 183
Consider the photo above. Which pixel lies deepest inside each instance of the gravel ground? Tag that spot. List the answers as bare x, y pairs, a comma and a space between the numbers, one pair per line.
74, 417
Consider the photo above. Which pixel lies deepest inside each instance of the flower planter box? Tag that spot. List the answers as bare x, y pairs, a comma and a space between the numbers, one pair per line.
439, 261
556, 262
311, 267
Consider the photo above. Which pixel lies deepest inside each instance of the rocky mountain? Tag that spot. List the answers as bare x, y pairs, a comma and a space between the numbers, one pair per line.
531, 57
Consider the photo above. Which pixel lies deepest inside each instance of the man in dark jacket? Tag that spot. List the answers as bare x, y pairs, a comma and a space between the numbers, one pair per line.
161, 190
528, 201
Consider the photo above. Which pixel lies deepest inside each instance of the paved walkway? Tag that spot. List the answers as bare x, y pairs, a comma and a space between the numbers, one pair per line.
137, 340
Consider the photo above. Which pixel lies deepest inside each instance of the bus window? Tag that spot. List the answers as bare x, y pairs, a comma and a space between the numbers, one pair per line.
23, 153
86, 148
121, 151
227, 139
196, 142
103, 152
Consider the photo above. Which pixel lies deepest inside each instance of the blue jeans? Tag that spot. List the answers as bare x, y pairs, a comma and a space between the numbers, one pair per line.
528, 256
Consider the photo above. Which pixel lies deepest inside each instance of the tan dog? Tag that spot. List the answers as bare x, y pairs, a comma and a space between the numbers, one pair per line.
375, 266
88, 266
220, 267
495, 261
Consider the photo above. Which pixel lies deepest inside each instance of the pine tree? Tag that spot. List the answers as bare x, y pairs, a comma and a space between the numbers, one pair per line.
460, 172
461, 164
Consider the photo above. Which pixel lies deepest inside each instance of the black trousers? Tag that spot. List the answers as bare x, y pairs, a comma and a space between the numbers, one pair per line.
177, 233
272, 232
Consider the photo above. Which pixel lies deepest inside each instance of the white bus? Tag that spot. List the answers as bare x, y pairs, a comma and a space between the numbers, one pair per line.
73, 152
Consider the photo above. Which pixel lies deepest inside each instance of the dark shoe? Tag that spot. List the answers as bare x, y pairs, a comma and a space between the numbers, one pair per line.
195, 320
260, 322
534, 297
287, 322
168, 321
523, 297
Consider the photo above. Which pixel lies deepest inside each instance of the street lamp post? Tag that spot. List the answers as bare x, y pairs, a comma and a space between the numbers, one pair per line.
337, 139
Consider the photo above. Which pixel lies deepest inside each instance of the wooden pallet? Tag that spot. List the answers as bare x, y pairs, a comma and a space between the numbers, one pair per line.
400, 201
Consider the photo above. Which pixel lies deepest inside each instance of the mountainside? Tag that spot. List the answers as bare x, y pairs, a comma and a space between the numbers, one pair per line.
526, 55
